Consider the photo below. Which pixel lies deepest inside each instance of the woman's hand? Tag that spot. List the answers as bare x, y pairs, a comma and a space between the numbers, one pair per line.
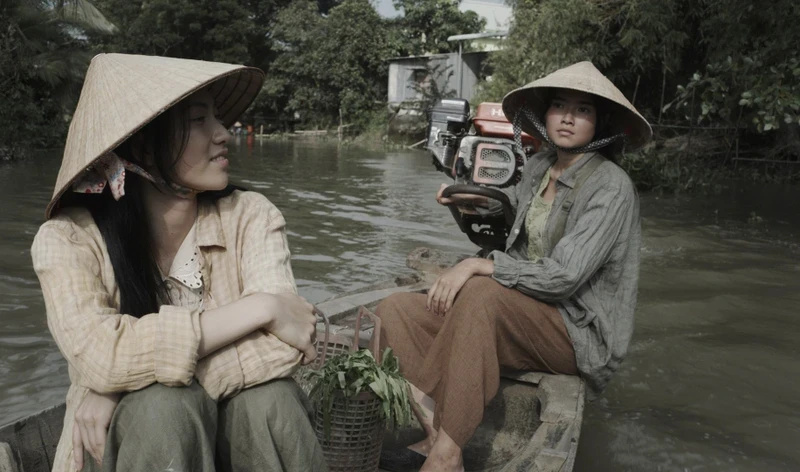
440, 199
293, 322
91, 426
443, 292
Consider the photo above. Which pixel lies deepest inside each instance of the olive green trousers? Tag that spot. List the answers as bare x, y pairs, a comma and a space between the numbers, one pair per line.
263, 428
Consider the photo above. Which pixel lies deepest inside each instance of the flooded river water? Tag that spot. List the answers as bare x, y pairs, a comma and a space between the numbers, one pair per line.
711, 381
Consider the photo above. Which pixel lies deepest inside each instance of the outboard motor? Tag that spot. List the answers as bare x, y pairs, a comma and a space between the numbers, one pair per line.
487, 161
481, 156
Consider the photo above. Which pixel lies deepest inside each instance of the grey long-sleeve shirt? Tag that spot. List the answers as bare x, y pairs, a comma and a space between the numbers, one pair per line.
592, 273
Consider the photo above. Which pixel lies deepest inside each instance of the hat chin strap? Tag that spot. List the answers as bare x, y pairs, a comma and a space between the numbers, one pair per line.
109, 171
534, 120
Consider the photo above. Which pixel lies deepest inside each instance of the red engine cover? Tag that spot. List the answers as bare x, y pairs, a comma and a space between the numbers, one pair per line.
491, 121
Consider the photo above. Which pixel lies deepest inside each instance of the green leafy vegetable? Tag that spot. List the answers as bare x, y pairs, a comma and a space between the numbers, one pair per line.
349, 374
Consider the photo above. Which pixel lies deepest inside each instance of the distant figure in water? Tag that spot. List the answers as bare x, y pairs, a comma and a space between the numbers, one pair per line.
557, 299
168, 290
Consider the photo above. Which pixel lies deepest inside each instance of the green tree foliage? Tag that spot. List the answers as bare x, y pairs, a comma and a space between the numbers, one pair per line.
291, 85
682, 62
324, 59
43, 56
82, 12
709, 59
747, 77
630, 40
328, 63
354, 56
212, 30
426, 25
260, 42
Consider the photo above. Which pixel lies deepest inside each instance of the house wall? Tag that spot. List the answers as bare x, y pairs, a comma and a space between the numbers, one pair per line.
471, 74
401, 73
445, 68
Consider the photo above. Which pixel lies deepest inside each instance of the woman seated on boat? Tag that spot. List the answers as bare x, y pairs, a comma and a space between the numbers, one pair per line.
546, 304
169, 292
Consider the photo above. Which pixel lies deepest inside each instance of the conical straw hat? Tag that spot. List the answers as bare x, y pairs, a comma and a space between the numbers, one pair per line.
583, 77
124, 92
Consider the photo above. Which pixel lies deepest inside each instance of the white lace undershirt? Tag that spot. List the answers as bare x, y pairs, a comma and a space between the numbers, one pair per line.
184, 282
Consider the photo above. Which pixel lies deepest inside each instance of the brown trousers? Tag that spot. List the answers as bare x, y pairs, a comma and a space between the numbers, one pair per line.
456, 359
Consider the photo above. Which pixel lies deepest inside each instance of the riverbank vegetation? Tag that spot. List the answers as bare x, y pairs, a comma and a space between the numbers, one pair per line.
724, 98
723, 95
43, 56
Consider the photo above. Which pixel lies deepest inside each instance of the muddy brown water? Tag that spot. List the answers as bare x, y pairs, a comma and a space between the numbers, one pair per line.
711, 381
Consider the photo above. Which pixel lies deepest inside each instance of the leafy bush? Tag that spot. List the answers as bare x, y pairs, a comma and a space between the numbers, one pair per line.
747, 92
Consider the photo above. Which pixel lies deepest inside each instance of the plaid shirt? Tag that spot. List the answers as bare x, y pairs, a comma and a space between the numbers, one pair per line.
244, 250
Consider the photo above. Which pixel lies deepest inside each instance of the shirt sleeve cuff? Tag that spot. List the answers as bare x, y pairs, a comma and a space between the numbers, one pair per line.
176, 344
506, 269
220, 373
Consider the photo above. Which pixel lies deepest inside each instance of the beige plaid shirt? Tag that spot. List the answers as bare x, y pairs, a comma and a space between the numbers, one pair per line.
243, 248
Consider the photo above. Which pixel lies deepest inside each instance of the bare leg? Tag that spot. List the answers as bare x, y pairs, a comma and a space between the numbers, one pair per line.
423, 407
444, 456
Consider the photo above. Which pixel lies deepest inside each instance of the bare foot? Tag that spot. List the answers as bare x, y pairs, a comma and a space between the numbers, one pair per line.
424, 447
423, 407
438, 463
444, 456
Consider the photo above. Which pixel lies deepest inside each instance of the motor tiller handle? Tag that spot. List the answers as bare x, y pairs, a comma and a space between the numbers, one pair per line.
508, 211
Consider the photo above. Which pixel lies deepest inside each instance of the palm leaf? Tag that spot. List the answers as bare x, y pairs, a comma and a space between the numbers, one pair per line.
83, 13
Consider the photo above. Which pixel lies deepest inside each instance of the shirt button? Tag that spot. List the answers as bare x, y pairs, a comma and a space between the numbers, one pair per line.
516, 231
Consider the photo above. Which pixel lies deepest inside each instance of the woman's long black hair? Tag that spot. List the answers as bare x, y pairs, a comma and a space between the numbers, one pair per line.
605, 109
124, 224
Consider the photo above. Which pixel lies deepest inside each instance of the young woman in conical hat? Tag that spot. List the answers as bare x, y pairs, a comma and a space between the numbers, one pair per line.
169, 291
559, 298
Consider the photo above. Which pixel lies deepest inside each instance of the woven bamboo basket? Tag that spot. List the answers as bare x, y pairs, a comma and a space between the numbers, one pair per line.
357, 425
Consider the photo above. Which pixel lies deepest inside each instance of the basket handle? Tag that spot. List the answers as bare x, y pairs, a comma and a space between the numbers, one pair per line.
375, 342
327, 322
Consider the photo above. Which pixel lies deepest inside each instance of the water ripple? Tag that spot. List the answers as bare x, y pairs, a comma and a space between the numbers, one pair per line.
709, 383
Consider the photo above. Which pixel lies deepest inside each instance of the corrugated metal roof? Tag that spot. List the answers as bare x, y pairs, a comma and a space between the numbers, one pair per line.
490, 34
428, 56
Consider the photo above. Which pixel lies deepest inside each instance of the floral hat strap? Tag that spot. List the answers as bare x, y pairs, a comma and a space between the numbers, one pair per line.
109, 171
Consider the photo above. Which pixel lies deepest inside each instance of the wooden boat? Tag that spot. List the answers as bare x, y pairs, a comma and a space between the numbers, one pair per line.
532, 425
